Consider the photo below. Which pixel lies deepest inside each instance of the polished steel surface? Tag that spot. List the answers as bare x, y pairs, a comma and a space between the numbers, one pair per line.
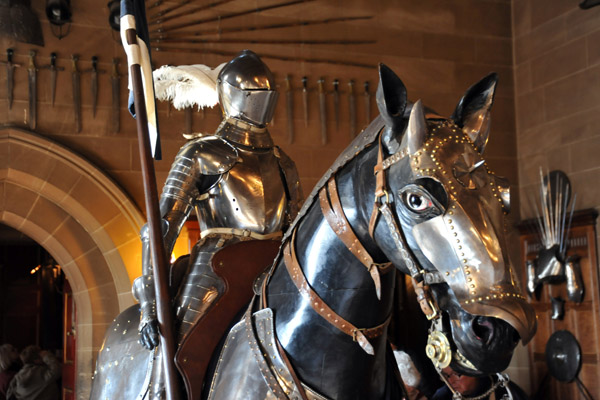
251, 195
575, 287
122, 355
246, 89
475, 263
245, 134
244, 381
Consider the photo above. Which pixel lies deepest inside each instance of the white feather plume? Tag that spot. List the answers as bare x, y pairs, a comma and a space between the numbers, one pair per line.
187, 85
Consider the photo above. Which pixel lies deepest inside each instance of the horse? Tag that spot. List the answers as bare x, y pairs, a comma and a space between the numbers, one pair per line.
413, 195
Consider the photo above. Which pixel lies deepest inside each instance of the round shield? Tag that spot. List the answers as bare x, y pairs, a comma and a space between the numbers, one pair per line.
563, 356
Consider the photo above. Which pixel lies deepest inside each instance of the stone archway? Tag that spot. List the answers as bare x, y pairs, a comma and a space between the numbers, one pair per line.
84, 220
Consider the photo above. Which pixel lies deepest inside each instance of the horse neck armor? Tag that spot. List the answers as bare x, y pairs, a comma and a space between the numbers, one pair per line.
252, 341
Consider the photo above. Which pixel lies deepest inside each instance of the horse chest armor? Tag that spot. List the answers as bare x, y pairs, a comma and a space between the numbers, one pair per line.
245, 381
250, 196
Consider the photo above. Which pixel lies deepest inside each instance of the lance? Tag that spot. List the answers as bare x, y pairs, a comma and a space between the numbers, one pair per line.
32, 73
192, 40
75, 78
221, 30
197, 50
115, 80
157, 248
191, 11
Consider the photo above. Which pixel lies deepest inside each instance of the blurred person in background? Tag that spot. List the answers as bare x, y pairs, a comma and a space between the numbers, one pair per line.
37, 379
10, 364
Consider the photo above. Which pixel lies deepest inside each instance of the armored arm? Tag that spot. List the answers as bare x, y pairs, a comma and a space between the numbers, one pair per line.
191, 175
176, 203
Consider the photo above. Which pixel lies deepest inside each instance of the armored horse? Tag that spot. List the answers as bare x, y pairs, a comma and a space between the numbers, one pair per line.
413, 195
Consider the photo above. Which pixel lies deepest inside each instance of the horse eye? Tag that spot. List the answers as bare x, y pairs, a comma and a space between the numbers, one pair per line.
417, 202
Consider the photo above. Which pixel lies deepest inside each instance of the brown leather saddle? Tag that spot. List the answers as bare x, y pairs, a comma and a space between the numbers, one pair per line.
238, 265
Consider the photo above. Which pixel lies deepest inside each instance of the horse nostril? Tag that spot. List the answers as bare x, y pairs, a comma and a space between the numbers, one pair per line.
483, 329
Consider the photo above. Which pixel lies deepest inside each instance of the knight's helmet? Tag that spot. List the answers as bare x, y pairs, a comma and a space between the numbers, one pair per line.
246, 90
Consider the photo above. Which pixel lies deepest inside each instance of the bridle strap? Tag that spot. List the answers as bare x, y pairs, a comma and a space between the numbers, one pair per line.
332, 210
380, 188
359, 335
382, 206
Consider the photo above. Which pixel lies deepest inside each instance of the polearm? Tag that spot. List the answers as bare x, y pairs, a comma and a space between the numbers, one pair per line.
157, 248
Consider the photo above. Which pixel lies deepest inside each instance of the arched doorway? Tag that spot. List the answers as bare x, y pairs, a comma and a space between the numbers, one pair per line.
84, 220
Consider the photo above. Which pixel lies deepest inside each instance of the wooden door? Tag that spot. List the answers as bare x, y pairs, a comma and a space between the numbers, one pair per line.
69, 344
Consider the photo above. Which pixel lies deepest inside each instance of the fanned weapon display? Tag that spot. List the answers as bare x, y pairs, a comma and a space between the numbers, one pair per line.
192, 26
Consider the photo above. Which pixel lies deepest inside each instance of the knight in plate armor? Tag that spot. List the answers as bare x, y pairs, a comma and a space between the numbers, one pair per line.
242, 188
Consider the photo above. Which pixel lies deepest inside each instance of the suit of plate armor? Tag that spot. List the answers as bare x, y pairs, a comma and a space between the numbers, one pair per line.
241, 186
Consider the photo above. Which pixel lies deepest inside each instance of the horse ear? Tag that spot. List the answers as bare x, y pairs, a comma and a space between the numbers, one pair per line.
391, 98
472, 113
417, 128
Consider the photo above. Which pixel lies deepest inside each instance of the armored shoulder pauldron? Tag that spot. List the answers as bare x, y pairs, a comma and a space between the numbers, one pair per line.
213, 154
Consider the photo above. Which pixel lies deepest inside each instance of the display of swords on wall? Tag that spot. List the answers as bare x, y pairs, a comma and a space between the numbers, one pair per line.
33, 86
552, 265
328, 92
305, 87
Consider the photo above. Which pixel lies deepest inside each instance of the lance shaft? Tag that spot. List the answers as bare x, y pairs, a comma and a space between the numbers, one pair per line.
157, 248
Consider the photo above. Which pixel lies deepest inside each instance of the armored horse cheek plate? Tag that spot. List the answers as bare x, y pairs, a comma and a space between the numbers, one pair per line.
473, 262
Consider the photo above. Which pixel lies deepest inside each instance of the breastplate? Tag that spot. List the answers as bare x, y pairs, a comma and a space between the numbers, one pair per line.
250, 195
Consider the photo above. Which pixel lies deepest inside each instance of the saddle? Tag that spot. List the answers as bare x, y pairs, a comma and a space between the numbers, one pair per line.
237, 265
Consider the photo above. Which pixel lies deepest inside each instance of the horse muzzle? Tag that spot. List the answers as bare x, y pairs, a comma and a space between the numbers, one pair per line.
466, 250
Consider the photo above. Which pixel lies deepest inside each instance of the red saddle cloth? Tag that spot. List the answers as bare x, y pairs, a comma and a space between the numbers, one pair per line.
238, 265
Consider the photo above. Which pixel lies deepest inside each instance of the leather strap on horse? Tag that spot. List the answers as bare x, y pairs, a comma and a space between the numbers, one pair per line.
332, 210
383, 206
426, 302
320, 307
